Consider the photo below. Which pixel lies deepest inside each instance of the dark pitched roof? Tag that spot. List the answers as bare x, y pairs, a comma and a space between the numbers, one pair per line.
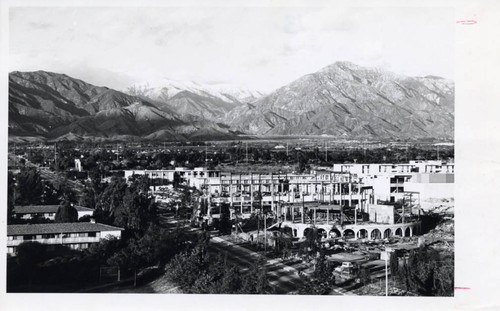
30, 209
72, 227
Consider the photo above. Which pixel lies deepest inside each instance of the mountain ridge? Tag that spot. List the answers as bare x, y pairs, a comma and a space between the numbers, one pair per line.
361, 102
342, 100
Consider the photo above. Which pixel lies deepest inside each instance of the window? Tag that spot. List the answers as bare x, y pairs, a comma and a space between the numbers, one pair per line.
28, 237
48, 236
92, 234
82, 235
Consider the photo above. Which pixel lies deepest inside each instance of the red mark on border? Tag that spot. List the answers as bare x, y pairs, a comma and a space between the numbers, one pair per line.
467, 22
462, 287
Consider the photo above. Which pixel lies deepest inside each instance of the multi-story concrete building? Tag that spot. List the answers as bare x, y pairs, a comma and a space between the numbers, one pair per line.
192, 178
392, 182
77, 235
347, 185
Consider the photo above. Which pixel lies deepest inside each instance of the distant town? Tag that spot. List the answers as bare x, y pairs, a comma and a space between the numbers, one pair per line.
258, 216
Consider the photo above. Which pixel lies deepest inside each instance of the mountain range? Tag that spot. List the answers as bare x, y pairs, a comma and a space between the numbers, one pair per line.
342, 100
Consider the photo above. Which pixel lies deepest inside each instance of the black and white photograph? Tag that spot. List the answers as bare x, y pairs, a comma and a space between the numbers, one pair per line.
231, 149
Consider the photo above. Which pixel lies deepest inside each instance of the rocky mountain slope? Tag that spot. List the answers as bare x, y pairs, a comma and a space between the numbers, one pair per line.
343, 100
347, 100
52, 106
210, 102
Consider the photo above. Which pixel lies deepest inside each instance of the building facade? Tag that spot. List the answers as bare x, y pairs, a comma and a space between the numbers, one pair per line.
79, 235
46, 211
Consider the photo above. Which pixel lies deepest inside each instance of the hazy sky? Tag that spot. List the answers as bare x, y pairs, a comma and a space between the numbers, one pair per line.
258, 48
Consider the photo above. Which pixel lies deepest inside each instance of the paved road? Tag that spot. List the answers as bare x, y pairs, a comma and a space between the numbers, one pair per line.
282, 275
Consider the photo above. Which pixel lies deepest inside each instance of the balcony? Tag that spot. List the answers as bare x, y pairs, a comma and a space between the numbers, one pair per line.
11, 243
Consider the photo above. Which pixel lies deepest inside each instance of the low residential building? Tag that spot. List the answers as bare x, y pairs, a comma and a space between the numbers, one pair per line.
77, 235
46, 211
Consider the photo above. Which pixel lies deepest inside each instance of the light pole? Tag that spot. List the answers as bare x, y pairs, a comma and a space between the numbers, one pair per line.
265, 234
386, 276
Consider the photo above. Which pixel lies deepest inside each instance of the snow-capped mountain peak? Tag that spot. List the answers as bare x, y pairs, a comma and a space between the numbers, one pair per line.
164, 89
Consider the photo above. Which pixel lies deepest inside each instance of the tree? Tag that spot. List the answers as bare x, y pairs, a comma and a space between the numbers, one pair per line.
66, 213
28, 187
10, 198
320, 282
255, 281
428, 272
225, 220
137, 209
64, 191
109, 199
129, 258
197, 271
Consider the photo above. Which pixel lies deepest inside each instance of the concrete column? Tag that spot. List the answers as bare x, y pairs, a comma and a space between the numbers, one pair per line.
350, 193
241, 196
272, 193
341, 196
231, 189
302, 211
251, 192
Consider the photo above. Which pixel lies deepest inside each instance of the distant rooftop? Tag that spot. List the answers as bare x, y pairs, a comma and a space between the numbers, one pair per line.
30, 209
71, 227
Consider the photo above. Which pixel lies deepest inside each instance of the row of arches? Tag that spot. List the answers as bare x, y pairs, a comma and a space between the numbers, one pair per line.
373, 234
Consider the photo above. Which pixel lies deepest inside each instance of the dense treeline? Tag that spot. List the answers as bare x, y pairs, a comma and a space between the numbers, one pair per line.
425, 271
102, 159
45, 268
28, 188
126, 205
198, 271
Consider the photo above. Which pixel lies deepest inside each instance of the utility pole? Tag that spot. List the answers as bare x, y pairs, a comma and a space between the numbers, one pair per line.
55, 156
326, 151
265, 234
403, 215
386, 275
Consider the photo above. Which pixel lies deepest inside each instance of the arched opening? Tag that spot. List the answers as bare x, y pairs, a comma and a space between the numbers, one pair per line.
398, 232
376, 235
307, 231
387, 233
288, 230
322, 233
334, 233
349, 234
407, 232
362, 234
